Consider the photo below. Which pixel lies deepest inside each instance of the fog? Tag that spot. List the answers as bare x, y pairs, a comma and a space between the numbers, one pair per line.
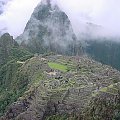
15, 16
103, 13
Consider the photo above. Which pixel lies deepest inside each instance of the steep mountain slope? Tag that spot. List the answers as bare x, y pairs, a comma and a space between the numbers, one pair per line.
105, 50
9, 50
6, 43
100, 45
49, 29
60, 87
12, 56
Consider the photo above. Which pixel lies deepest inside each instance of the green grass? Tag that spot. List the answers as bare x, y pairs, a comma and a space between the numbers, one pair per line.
57, 66
105, 89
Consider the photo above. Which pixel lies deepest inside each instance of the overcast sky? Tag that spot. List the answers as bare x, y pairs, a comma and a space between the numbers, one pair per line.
101, 12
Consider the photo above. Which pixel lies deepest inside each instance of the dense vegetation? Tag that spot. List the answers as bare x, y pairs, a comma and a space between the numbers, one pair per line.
10, 50
12, 57
105, 51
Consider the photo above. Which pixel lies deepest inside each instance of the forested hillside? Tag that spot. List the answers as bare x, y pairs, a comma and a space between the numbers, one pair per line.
105, 51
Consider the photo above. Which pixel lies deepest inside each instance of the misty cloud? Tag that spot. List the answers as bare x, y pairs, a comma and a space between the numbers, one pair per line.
100, 12
16, 15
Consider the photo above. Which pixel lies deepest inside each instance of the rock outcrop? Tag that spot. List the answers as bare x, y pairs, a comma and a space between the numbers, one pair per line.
49, 29
9, 49
6, 43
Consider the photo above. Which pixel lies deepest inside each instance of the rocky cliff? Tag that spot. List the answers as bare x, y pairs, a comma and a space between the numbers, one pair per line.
49, 29
6, 43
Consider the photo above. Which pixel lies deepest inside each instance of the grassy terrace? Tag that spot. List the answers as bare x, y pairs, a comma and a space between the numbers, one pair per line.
58, 66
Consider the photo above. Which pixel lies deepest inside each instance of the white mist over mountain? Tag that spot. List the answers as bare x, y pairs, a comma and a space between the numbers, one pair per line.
16, 15
100, 12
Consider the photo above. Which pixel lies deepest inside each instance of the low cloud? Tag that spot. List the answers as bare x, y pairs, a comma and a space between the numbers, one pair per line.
16, 15
104, 13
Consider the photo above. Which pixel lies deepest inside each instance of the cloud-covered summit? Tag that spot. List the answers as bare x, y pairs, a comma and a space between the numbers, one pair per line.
103, 12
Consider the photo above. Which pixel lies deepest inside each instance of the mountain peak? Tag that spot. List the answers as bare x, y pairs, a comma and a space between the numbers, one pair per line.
49, 29
48, 2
